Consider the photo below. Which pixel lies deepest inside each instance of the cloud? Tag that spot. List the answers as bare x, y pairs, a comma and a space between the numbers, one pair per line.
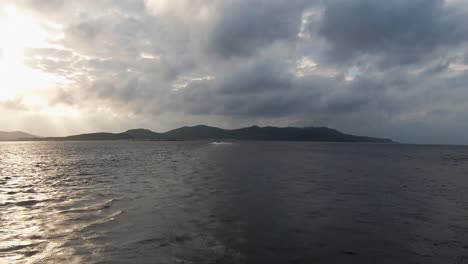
244, 27
399, 32
362, 66
13, 104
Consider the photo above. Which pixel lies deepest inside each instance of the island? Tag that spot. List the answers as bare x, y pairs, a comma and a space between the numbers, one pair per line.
203, 132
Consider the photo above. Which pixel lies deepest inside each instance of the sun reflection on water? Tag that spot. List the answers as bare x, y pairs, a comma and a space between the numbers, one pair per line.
44, 213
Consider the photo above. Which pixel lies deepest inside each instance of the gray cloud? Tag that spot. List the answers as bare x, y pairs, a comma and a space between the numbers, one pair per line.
400, 31
366, 66
244, 27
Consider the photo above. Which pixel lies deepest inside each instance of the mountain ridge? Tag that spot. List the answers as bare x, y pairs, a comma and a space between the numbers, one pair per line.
15, 135
203, 132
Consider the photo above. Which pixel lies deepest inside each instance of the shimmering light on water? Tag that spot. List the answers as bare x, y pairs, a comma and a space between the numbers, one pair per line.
245, 202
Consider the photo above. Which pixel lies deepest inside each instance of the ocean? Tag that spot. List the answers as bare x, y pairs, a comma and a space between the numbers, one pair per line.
237, 202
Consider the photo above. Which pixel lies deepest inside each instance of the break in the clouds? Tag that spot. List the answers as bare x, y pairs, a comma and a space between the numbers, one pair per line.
395, 69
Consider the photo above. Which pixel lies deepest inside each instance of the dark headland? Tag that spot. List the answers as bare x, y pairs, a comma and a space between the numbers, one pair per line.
15, 135
202, 132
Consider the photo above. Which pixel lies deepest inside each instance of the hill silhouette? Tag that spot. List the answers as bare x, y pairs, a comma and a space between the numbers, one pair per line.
202, 132
15, 135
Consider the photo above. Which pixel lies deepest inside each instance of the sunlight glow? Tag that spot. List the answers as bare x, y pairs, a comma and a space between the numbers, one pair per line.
20, 32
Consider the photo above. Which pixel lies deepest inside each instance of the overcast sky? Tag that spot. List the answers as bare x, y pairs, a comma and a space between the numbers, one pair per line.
395, 69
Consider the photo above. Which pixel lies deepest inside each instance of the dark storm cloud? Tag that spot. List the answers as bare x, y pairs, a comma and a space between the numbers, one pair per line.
258, 88
257, 77
244, 27
400, 31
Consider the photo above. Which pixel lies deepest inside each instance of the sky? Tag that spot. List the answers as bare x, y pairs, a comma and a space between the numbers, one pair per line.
395, 69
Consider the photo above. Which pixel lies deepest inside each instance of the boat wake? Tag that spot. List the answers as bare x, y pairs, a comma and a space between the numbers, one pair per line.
221, 143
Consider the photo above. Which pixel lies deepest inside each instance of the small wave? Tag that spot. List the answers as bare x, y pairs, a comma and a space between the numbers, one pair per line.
457, 158
18, 247
104, 220
95, 207
150, 241
27, 203
21, 191
160, 242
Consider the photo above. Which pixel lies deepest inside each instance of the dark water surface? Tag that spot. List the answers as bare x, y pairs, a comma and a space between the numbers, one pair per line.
246, 202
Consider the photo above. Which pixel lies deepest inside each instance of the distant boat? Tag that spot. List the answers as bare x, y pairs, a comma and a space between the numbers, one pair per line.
220, 143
